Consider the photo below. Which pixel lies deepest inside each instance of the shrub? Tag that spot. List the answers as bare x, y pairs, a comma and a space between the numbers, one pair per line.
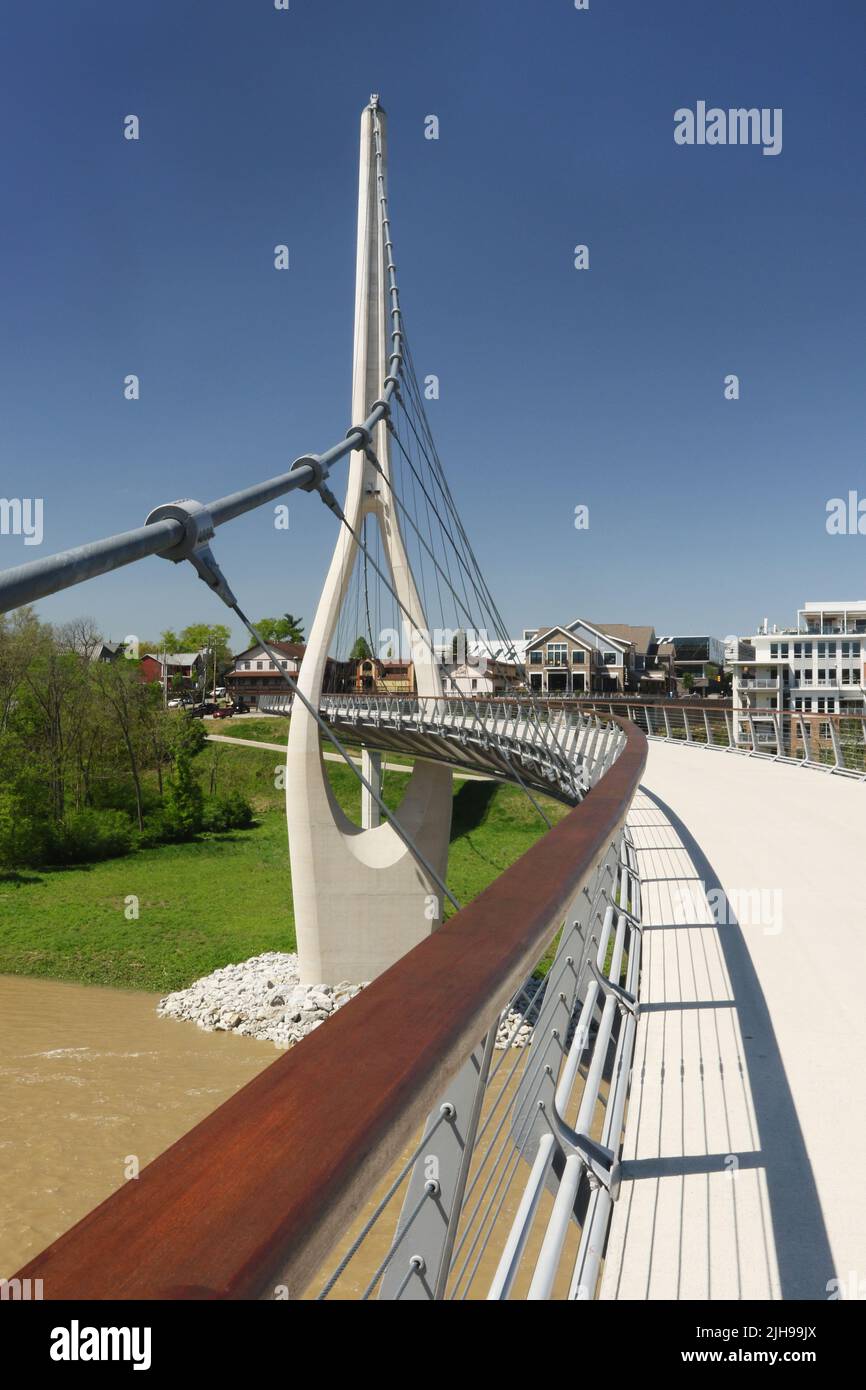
231, 812
91, 835
25, 840
182, 808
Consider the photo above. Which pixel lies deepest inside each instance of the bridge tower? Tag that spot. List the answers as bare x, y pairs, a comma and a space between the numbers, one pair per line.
361, 899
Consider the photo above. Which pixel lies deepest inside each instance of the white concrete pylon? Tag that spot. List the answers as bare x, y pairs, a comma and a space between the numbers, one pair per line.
361, 899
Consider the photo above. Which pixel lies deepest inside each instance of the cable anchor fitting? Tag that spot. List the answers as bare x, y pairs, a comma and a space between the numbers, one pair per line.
194, 545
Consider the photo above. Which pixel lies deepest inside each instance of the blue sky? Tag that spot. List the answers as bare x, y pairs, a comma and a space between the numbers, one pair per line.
558, 387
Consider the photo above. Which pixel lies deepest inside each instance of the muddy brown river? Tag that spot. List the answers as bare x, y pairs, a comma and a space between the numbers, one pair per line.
89, 1078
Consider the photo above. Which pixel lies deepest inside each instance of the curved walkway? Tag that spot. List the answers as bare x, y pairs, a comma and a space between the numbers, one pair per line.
459, 774
745, 1139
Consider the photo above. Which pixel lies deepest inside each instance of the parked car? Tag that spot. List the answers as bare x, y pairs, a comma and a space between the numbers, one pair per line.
225, 712
199, 711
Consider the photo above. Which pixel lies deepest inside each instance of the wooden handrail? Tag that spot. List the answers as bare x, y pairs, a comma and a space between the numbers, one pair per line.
257, 1194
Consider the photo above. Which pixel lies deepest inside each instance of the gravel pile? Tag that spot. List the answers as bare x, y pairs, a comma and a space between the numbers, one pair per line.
260, 998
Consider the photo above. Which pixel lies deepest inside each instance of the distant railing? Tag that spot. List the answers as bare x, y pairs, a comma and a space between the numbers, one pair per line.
477, 1095
832, 742
560, 752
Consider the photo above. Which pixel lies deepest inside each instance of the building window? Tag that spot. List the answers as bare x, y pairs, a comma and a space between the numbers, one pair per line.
578, 658
798, 650
474, 685
260, 665
609, 658
774, 649
557, 654
535, 658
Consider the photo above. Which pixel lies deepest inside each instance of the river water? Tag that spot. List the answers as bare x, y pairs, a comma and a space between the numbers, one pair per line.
88, 1078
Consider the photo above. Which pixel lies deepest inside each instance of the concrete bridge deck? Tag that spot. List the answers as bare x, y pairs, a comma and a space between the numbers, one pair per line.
746, 1135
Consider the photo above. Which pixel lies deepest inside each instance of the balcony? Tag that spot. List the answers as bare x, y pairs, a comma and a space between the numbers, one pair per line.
758, 683
833, 627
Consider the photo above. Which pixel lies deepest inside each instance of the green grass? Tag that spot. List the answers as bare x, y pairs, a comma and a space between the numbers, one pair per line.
224, 897
263, 730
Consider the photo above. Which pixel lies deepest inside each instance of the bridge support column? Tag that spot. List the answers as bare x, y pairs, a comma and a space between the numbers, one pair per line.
371, 766
361, 899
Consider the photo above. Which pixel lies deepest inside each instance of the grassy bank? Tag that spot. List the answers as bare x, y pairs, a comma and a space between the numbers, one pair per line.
223, 897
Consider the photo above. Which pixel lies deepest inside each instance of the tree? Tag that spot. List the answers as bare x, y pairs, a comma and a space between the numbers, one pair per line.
53, 680
688, 680
131, 701
212, 639
170, 643
81, 635
288, 628
183, 806
17, 636
215, 636
361, 650
270, 629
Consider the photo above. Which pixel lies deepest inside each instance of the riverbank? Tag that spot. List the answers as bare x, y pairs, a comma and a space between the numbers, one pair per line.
164, 917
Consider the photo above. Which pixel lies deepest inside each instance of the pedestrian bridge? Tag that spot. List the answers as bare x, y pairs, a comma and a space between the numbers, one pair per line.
699, 1144
556, 752
630, 1068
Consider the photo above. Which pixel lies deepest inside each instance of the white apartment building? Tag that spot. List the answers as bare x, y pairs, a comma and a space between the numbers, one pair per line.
817, 668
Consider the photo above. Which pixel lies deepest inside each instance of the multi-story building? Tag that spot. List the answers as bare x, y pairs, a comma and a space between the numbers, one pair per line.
254, 673
649, 669
585, 658
479, 666
490, 676
579, 659
379, 677
700, 659
188, 666
817, 668
737, 649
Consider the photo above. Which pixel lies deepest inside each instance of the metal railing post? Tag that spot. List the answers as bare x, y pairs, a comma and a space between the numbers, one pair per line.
426, 1228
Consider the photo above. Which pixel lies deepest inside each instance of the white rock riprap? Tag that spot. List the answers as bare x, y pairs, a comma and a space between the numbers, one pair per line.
517, 1026
260, 998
